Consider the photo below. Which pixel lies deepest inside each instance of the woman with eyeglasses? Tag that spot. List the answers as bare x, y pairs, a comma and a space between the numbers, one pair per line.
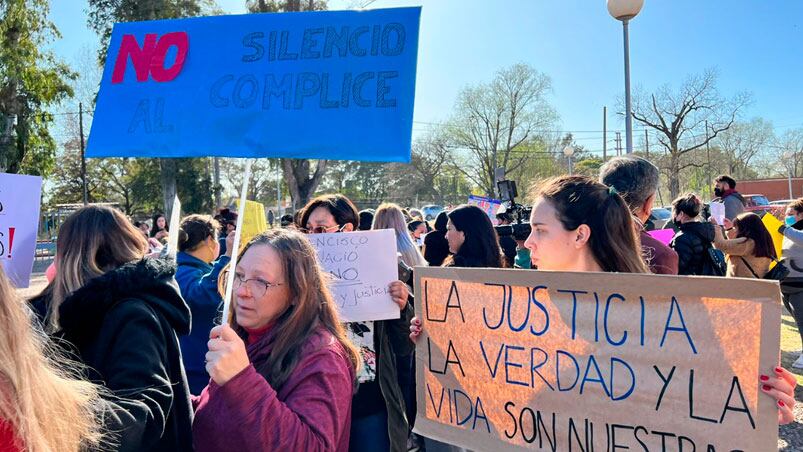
379, 419
282, 368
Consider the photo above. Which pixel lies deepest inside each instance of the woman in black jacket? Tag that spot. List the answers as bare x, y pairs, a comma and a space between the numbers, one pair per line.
694, 238
119, 313
436, 248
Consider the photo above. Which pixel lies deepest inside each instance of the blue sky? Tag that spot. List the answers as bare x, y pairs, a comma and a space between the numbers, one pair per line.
755, 45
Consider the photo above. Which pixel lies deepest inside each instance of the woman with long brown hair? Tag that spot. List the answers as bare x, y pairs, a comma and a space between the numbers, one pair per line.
43, 405
748, 247
282, 368
120, 313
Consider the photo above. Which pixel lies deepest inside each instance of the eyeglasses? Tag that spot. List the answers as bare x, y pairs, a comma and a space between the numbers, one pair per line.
323, 229
256, 286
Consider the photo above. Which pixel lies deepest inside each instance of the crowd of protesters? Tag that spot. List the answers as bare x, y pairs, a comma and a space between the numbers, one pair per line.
125, 348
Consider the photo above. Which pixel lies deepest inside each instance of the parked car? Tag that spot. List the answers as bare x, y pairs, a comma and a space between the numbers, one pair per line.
760, 205
781, 202
431, 211
659, 217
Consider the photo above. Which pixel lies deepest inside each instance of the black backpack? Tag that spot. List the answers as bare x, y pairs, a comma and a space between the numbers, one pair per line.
714, 262
777, 273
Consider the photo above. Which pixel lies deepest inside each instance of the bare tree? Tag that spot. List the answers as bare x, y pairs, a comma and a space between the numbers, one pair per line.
494, 122
686, 120
788, 153
743, 142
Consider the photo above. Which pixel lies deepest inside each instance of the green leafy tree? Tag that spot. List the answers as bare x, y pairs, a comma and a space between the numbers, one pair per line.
31, 80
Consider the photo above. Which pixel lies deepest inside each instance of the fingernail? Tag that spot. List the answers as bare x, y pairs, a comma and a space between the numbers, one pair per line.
780, 403
766, 388
764, 378
778, 370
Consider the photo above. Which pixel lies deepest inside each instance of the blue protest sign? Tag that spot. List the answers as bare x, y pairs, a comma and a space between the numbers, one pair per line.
332, 85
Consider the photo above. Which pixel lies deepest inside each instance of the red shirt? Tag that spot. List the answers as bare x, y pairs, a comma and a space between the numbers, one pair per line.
8, 440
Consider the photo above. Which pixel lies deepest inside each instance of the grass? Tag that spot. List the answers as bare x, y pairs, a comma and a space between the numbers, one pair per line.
790, 349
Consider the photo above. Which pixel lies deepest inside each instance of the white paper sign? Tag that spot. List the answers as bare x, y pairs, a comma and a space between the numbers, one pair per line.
362, 265
19, 222
718, 212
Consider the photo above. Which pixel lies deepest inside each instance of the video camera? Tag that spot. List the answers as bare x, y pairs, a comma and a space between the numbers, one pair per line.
520, 230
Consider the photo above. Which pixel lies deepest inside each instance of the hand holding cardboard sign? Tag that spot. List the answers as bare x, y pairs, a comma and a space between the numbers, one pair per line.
781, 387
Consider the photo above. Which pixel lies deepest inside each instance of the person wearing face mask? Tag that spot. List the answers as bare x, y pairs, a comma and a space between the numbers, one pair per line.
725, 192
792, 285
197, 275
694, 238
636, 181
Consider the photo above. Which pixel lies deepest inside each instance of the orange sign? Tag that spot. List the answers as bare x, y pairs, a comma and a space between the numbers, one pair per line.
550, 361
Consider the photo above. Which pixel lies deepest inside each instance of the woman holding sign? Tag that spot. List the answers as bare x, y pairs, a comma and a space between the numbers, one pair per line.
379, 412
282, 368
748, 248
580, 225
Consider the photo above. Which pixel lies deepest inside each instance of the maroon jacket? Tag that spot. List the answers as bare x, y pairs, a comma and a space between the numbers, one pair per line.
311, 411
661, 259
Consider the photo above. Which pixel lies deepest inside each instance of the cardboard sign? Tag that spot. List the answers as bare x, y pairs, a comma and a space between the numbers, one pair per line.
662, 235
19, 222
361, 266
515, 360
489, 205
332, 84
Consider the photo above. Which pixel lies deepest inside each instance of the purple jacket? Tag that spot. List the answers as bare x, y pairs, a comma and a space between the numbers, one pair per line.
661, 259
311, 411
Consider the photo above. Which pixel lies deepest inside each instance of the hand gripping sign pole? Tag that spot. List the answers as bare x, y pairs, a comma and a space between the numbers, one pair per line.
236, 246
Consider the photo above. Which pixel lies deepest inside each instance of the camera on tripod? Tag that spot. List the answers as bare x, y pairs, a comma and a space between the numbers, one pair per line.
520, 230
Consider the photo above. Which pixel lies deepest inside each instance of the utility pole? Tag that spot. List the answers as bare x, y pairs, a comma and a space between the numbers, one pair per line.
83, 158
647, 144
604, 134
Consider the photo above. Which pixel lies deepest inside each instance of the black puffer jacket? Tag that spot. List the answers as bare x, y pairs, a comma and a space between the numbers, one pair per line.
691, 243
123, 326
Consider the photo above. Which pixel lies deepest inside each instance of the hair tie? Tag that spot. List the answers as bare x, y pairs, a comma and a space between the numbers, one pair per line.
612, 190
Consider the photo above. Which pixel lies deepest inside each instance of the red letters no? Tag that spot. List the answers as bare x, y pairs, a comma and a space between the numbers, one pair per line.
149, 59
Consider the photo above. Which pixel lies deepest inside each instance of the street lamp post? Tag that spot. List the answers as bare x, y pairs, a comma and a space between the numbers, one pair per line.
624, 10
568, 151
788, 156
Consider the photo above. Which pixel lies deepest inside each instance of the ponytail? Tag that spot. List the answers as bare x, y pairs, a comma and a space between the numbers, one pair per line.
580, 200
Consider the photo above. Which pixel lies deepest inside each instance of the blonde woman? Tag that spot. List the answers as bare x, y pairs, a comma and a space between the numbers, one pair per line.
120, 313
390, 216
42, 406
